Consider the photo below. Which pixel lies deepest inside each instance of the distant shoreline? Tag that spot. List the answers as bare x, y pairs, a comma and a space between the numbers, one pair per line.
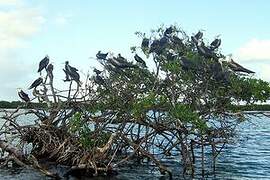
234, 108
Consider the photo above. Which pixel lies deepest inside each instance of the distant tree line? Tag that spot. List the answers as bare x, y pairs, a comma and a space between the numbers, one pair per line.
15, 104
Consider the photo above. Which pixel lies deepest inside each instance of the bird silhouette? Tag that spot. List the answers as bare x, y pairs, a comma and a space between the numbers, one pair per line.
205, 51
199, 35
168, 31
139, 60
43, 63
101, 56
24, 96
49, 70
97, 71
215, 44
145, 43
238, 68
72, 73
99, 80
187, 64
120, 62
36, 83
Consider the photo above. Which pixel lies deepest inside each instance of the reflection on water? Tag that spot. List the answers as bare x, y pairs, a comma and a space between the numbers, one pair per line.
247, 158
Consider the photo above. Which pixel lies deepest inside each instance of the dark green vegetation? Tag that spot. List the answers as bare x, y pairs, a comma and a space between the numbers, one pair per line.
15, 104
127, 111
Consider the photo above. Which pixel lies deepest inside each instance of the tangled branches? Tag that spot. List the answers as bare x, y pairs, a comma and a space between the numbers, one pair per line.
127, 113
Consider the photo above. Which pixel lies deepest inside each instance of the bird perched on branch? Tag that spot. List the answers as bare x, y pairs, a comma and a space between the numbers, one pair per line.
101, 56
99, 80
215, 44
168, 31
139, 60
49, 70
197, 37
187, 64
67, 78
145, 43
72, 73
238, 68
97, 71
43, 63
205, 51
36, 83
158, 45
24, 96
120, 62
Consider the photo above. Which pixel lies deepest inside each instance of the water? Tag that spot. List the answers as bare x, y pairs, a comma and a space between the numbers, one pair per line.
247, 158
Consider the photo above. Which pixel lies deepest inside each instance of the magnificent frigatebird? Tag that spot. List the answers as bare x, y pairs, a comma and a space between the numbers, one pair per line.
168, 31
72, 72
101, 56
158, 45
215, 44
145, 43
120, 62
97, 71
205, 51
43, 63
99, 80
177, 41
36, 83
49, 70
24, 96
67, 76
199, 35
139, 60
187, 64
238, 68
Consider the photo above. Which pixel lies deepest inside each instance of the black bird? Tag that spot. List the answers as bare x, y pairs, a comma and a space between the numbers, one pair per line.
154, 47
145, 43
215, 44
158, 45
49, 70
168, 31
99, 80
199, 35
172, 56
218, 73
120, 62
187, 64
24, 96
238, 68
139, 60
36, 83
72, 72
97, 71
205, 51
69, 68
67, 76
43, 63
177, 41
101, 56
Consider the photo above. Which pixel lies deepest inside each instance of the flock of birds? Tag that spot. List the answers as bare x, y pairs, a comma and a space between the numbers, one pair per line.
156, 46
70, 72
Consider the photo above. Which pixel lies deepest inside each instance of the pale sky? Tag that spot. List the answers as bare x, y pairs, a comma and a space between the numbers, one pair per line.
76, 30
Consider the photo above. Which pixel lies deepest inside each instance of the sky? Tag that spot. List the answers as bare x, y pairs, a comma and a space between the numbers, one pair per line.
76, 30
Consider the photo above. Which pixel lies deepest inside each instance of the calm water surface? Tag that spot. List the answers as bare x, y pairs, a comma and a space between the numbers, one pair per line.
247, 158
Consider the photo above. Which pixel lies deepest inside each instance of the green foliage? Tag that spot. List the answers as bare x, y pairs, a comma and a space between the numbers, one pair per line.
185, 115
88, 138
250, 89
